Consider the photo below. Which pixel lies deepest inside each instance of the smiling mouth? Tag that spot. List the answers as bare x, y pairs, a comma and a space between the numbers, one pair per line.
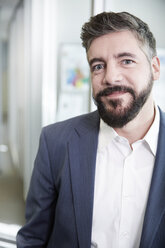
115, 92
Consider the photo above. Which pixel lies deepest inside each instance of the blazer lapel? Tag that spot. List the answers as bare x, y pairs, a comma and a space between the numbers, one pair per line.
82, 153
156, 200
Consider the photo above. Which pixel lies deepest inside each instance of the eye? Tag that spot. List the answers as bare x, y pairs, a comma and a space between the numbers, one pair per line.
127, 61
98, 67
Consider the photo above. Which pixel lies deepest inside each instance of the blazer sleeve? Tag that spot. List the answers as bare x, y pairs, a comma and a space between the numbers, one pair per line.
41, 202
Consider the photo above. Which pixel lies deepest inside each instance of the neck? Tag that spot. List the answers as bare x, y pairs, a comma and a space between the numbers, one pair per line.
139, 126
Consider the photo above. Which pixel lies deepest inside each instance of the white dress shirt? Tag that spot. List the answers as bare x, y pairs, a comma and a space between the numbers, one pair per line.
122, 183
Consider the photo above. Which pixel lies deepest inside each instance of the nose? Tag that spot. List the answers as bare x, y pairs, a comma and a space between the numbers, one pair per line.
113, 74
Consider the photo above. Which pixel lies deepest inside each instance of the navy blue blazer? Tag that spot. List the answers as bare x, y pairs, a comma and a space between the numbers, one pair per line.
60, 199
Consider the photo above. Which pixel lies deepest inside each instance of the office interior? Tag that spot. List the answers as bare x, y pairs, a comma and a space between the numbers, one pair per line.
44, 78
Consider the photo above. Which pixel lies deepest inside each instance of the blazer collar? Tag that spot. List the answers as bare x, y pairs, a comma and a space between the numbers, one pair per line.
156, 201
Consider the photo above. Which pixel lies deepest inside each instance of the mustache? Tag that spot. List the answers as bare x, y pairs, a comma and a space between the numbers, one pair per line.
116, 88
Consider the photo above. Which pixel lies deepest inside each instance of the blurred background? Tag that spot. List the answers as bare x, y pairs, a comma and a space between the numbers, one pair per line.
44, 78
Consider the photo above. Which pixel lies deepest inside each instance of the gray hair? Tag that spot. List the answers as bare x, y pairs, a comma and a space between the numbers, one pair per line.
108, 22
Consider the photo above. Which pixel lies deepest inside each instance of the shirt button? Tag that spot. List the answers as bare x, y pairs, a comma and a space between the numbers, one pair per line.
124, 234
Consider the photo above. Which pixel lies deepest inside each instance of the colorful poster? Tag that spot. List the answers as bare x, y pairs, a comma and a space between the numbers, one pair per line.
74, 71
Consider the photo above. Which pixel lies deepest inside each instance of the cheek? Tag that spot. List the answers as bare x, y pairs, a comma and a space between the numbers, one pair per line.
139, 79
94, 90
96, 83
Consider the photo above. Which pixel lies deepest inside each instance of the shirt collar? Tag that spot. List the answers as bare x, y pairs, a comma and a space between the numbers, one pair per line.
151, 136
107, 134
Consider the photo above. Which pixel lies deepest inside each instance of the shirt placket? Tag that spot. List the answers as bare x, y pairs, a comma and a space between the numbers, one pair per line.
127, 197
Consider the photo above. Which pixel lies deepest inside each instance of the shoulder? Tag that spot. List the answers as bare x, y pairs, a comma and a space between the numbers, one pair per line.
65, 128
56, 137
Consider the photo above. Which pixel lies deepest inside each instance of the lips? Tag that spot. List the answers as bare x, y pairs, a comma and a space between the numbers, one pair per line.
116, 93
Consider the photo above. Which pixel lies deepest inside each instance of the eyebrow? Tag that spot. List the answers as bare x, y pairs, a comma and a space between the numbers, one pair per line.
94, 60
126, 54
120, 55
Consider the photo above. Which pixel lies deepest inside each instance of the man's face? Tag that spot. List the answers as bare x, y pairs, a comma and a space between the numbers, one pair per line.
122, 76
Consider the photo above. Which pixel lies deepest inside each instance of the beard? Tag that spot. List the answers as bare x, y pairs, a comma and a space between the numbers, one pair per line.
113, 113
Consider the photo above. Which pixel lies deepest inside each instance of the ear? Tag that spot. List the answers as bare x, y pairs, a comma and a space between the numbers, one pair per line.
155, 64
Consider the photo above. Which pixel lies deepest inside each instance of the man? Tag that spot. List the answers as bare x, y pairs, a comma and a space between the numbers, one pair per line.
98, 179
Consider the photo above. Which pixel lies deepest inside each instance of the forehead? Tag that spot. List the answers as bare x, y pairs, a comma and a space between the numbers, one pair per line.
113, 43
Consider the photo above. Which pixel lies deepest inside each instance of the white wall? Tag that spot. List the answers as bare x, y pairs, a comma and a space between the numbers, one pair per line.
3, 87
71, 16
40, 75
33, 83
0, 87
49, 62
25, 85
16, 91
36, 31
150, 11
